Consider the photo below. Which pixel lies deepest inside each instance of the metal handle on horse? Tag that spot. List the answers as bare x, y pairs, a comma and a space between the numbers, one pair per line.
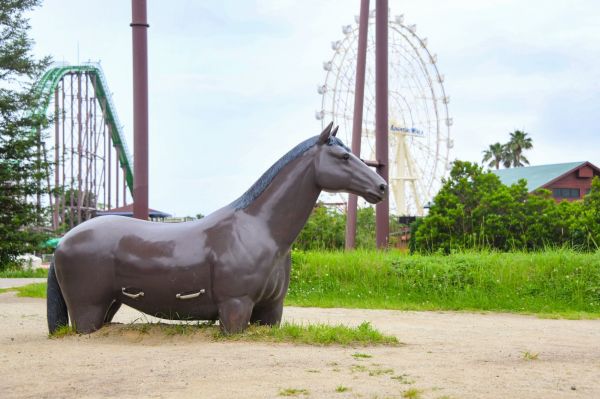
132, 296
190, 296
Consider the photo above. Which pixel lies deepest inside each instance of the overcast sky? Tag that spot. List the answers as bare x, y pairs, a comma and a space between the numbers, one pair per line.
233, 83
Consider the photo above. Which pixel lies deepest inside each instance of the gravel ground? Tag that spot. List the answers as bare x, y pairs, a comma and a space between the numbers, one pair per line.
445, 355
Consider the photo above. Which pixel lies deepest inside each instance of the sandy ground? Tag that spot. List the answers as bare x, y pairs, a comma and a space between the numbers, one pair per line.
446, 355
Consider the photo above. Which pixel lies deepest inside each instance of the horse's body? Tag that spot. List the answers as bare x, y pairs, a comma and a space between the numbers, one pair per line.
233, 265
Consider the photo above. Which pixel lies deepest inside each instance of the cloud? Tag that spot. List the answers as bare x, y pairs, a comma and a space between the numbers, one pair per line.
233, 84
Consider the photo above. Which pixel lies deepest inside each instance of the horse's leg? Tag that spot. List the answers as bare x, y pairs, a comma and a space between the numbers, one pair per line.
269, 315
110, 313
234, 314
88, 318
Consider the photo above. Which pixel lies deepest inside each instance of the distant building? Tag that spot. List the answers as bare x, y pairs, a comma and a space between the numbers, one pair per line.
127, 210
567, 181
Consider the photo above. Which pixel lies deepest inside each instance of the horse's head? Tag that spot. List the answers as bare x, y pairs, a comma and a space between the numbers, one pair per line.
337, 169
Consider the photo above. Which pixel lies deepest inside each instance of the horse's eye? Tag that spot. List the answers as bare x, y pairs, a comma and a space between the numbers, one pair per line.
346, 156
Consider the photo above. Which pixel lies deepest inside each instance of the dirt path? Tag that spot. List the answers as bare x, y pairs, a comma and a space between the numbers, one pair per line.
447, 355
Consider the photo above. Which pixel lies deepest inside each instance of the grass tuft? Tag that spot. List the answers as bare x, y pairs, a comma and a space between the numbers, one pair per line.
361, 355
376, 372
341, 388
293, 392
63, 331
412, 393
530, 355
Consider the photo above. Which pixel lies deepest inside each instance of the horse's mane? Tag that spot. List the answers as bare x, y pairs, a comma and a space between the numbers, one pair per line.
263, 182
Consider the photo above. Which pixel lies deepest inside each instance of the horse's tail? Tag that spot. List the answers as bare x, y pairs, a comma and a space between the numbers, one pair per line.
56, 307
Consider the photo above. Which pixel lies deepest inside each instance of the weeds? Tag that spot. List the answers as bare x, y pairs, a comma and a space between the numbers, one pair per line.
412, 393
376, 372
530, 355
293, 392
341, 388
361, 356
63, 331
309, 334
316, 334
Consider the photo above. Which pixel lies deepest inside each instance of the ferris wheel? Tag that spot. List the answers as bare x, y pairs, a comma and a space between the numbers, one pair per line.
419, 125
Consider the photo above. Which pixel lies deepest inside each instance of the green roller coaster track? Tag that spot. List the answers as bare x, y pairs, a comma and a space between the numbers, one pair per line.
48, 83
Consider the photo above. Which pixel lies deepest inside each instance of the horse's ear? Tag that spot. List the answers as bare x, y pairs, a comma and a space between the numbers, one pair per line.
334, 132
324, 136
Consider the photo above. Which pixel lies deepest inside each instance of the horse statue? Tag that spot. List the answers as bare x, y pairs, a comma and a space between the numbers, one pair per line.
232, 266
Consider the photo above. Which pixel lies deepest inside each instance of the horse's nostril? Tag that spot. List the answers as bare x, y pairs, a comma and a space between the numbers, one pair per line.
382, 187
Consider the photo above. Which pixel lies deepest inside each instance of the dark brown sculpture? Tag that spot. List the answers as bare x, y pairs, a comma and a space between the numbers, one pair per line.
232, 266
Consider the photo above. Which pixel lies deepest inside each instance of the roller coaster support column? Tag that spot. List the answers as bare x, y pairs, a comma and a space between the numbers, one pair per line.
139, 30
359, 95
381, 116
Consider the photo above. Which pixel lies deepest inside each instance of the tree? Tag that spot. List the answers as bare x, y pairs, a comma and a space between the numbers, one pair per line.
494, 154
22, 172
518, 142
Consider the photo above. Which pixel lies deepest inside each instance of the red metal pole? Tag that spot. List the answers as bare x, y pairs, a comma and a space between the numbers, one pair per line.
79, 148
117, 174
64, 155
109, 164
359, 95
139, 30
381, 116
72, 187
56, 161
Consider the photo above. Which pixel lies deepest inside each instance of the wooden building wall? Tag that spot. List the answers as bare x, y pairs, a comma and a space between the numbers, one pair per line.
579, 179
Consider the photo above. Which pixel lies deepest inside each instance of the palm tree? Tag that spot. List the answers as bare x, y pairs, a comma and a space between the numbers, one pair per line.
518, 142
494, 154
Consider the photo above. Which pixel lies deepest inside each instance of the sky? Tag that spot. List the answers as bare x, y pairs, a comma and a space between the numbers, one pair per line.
232, 84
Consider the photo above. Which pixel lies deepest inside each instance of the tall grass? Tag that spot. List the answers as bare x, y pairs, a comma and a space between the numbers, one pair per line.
553, 282
35, 290
18, 272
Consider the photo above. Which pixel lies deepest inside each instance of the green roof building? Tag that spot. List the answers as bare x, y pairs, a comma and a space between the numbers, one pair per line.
567, 181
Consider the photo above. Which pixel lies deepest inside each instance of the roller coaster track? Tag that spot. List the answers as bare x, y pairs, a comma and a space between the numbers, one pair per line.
87, 152
47, 85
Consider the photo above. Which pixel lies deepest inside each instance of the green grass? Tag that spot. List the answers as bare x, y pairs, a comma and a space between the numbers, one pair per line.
556, 283
63, 331
341, 388
412, 393
530, 355
36, 290
309, 334
22, 273
316, 334
293, 392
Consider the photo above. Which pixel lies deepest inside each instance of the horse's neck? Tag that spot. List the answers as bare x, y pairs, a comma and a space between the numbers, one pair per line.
289, 200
